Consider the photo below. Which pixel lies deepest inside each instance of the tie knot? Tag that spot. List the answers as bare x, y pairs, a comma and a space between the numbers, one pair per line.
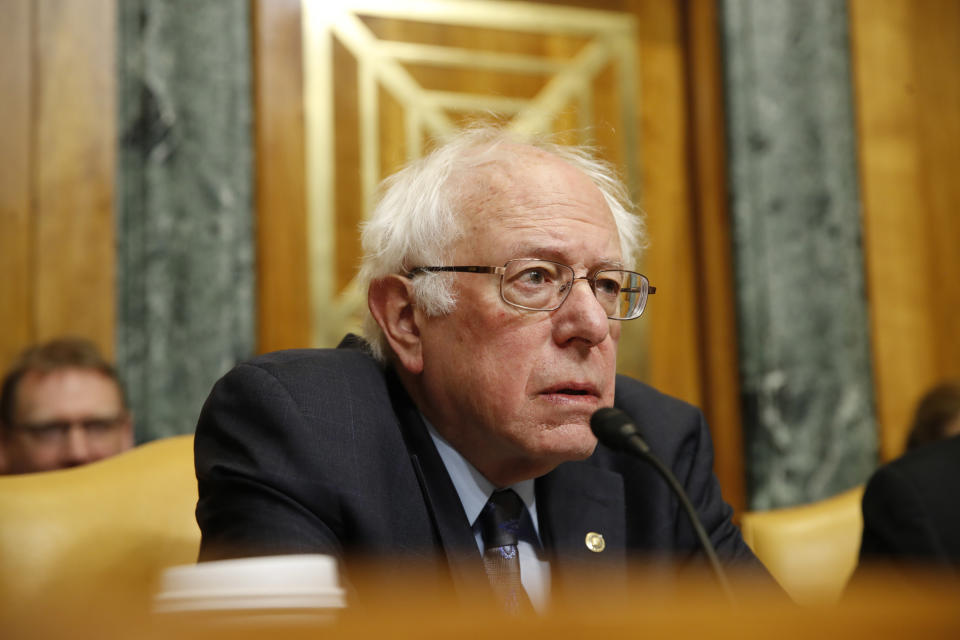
500, 519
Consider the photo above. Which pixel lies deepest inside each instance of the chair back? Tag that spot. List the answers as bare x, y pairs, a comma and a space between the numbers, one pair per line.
812, 549
116, 522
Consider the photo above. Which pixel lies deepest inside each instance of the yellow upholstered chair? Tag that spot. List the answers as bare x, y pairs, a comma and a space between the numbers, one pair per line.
112, 524
812, 549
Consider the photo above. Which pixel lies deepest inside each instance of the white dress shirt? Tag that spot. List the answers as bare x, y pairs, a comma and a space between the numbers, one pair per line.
474, 490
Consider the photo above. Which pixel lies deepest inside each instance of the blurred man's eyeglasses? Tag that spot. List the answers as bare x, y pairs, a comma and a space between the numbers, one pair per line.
55, 431
543, 285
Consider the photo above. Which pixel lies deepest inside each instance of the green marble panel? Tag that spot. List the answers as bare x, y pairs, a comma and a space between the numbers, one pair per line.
802, 310
185, 284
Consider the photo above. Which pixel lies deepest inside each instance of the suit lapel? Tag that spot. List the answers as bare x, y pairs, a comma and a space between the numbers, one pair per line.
575, 502
443, 504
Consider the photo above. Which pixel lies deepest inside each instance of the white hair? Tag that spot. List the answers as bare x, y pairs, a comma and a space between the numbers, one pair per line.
416, 221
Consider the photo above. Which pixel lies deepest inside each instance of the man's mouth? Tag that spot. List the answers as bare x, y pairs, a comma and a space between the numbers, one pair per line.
571, 390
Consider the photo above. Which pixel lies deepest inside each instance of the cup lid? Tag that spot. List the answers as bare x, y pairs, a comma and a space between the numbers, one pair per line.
308, 581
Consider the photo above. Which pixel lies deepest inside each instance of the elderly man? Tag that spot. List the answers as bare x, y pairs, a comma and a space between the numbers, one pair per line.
61, 406
497, 276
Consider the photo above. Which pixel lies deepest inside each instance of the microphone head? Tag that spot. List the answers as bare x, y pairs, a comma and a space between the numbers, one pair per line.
616, 429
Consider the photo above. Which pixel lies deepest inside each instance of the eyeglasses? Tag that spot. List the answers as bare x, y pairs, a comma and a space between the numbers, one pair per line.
55, 432
543, 285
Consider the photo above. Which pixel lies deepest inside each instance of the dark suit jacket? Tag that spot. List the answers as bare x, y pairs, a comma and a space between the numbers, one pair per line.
911, 507
322, 451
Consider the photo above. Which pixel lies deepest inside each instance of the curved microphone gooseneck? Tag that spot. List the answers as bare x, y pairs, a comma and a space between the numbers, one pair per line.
615, 429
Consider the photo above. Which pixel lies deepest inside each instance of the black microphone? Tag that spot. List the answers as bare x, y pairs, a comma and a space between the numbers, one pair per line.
615, 429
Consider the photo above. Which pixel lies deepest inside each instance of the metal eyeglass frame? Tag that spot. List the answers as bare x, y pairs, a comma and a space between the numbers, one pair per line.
500, 271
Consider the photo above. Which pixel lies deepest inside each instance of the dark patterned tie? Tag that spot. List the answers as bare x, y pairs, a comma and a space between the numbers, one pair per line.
500, 527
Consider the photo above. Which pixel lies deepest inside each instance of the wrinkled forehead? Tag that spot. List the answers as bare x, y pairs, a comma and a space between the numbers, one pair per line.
527, 191
516, 177
43, 392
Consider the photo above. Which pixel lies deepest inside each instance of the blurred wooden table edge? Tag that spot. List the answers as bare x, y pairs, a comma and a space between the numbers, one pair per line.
884, 604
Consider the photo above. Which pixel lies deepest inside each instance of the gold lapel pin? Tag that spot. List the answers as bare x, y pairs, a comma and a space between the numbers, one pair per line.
595, 542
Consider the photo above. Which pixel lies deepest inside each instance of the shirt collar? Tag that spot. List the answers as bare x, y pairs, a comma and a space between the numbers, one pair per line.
472, 487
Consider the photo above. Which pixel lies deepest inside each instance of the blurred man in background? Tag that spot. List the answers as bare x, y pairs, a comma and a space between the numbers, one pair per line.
910, 509
61, 406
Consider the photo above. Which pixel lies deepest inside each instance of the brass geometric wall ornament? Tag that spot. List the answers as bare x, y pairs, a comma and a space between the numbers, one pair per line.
382, 78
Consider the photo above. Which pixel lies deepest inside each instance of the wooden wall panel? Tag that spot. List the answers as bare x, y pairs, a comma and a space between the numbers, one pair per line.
666, 197
74, 164
57, 159
937, 36
16, 237
693, 339
283, 293
713, 253
905, 55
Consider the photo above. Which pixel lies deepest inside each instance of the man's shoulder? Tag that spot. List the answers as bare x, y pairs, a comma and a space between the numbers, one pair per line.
933, 462
670, 425
313, 357
909, 506
325, 391
349, 359
640, 400
348, 376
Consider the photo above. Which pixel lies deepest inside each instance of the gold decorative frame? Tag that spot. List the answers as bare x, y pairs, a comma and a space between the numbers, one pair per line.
608, 39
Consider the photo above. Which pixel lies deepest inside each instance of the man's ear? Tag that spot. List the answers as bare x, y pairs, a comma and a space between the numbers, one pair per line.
391, 303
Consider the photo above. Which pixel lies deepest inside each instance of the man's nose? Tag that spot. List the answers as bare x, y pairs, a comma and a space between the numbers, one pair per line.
581, 316
77, 448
